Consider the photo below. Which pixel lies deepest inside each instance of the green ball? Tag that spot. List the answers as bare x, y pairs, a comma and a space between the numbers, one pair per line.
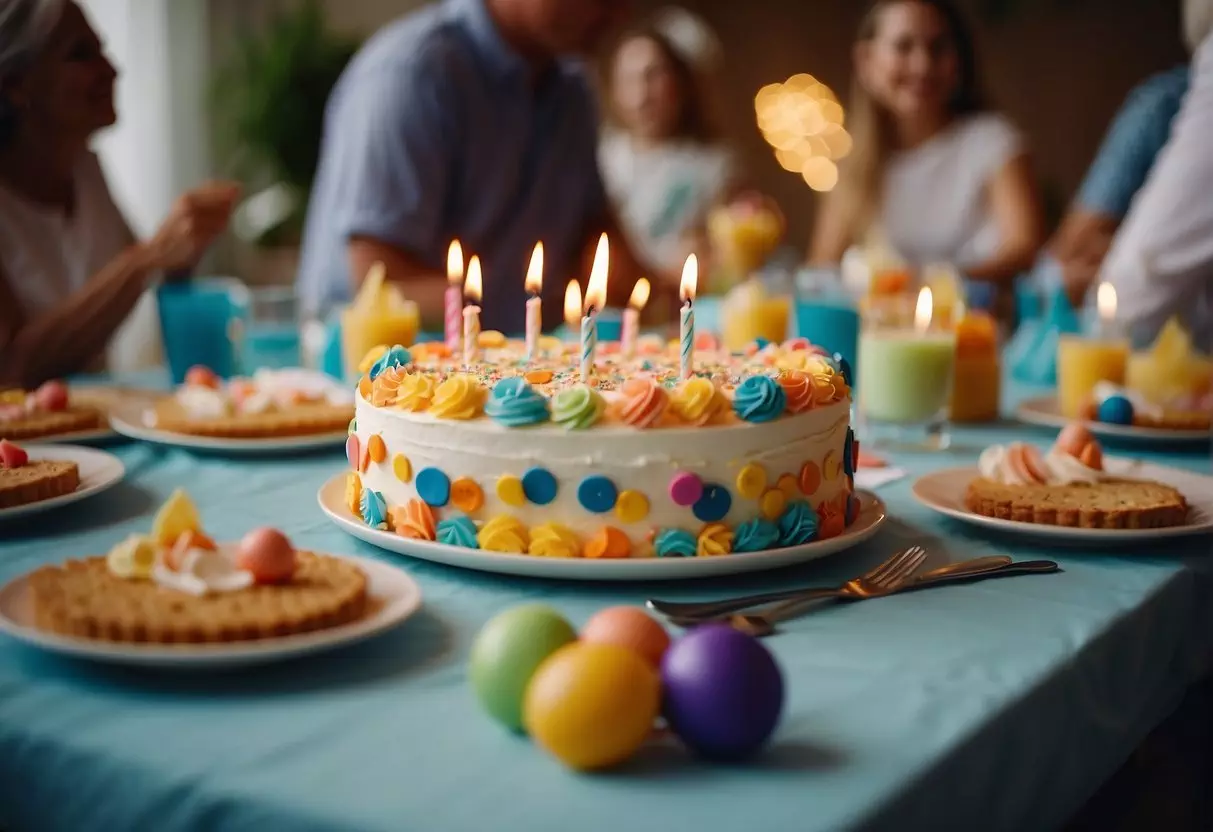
506, 653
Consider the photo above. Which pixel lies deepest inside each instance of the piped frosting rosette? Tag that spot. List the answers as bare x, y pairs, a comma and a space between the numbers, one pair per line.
1075, 457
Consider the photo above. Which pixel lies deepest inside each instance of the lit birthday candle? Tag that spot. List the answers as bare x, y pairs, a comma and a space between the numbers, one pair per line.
595, 299
534, 303
572, 305
453, 306
631, 317
471, 313
686, 331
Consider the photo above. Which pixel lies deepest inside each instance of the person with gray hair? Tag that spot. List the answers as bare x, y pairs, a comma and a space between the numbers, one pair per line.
71, 270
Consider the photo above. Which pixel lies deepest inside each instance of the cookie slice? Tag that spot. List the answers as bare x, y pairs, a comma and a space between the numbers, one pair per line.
36, 481
1112, 504
40, 424
301, 420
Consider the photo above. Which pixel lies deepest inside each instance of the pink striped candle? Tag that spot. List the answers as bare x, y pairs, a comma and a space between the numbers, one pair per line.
453, 301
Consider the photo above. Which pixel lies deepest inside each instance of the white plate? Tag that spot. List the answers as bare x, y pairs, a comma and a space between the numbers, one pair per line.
98, 471
872, 515
394, 597
129, 422
944, 491
1045, 411
104, 398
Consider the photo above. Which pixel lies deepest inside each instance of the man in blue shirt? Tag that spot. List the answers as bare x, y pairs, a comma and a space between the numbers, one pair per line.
1133, 142
467, 120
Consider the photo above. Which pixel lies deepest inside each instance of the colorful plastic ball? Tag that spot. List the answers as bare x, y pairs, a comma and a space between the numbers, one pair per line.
1116, 410
592, 705
628, 627
723, 692
506, 653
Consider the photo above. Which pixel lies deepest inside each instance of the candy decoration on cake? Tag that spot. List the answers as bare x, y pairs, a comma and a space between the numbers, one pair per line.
375, 449
773, 503
373, 509
756, 535
686, 488
810, 478
539, 486
597, 494
631, 507
353, 451
353, 493
466, 495
789, 485
751, 481
506, 654
798, 525
608, 542
458, 530
415, 520
402, 468
831, 521
552, 540
504, 534
510, 491
713, 504
675, 543
759, 399
722, 691
434, 487
515, 403
714, 539
577, 408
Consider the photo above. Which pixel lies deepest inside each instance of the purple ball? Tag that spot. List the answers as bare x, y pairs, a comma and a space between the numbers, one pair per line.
723, 692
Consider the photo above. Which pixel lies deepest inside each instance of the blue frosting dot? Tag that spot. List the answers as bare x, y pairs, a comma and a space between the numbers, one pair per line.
433, 486
714, 504
458, 530
539, 485
674, 543
798, 525
755, 535
848, 454
844, 367
1116, 410
597, 494
760, 399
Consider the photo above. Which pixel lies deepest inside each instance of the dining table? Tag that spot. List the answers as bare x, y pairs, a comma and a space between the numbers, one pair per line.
993, 705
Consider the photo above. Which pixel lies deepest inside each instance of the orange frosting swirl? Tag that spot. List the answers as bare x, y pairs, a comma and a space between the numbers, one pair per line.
385, 386
644, 402
800, 390
415, 521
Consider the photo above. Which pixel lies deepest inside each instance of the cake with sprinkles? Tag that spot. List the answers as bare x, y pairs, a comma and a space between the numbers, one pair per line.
748, 452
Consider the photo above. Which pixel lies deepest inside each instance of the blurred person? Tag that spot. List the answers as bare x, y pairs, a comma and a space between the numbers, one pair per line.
662, 161
934, 173
71, 271
1161, 260
471, 120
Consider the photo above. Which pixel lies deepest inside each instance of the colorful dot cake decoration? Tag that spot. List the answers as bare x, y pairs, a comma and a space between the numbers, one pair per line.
510, 491
686, 489
713, 504
434, 487
632, 507
466, 495
597, 494
751, 481
402, 468
539, 486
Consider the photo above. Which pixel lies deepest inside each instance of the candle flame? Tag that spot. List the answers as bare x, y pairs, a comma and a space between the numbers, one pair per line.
472, 286
1105, 302
534, 272
596, 291
640, 294
690, 278
924, 309
454, 262
572, 304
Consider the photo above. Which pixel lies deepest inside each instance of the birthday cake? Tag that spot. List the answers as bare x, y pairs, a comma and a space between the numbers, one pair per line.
752, 452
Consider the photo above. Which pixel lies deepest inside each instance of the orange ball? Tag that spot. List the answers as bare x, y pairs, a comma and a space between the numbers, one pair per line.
628, 627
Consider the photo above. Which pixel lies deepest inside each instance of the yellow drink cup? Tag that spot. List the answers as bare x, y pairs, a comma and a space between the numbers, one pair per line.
1084, 362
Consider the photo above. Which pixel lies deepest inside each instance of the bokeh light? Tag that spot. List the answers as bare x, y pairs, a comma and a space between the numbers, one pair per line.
802, 121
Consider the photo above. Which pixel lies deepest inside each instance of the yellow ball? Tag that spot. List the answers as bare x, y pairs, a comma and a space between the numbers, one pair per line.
592, 705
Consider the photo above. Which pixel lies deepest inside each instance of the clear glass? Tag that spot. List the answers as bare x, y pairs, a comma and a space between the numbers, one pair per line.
270, 334
904, 377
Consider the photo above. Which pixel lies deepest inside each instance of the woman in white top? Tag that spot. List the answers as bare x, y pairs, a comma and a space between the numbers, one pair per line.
70, 269
933, 174
661, 163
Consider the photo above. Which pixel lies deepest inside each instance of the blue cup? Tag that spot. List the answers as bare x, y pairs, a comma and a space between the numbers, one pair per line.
200, 321
832, 325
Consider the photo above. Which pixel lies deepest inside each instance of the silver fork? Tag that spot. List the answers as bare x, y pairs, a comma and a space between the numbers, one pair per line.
876, 581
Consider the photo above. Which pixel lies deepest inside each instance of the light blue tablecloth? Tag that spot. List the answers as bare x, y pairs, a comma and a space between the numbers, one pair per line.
999, 705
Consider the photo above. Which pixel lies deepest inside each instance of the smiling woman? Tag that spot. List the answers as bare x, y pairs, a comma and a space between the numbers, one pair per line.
70, 268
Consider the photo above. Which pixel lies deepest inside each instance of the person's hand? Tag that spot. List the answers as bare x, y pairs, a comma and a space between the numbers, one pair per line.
196, 219
1080, 246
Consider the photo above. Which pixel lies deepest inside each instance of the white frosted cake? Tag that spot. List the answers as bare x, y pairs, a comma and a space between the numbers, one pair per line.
753, 452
